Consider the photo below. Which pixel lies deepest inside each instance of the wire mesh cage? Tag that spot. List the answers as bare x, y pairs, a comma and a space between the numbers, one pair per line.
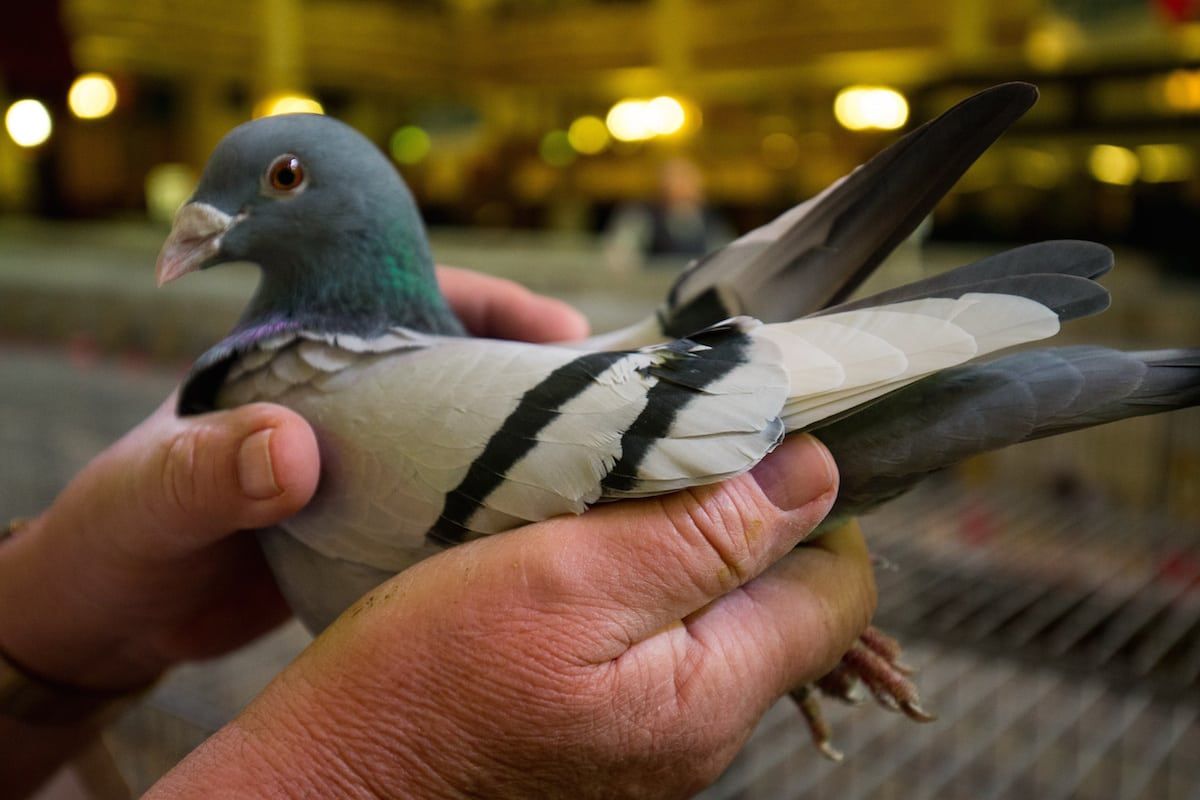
1058, 640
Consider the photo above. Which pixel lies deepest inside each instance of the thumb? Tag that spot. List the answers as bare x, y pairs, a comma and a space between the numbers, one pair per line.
193, 480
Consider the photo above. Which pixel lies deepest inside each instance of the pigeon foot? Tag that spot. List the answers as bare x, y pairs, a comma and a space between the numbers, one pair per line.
874, 663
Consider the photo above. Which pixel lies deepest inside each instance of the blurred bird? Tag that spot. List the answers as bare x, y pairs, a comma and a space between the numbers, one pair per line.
429, 438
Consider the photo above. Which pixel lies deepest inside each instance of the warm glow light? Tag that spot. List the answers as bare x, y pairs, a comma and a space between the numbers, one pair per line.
556, 149
410, 144
168, 186
28, 123
1039, 169
1047, 48
780, 150
1166, 163
588, 135
630, 121
860, 108
276, 104
92, 96
1181, 90
638, 120
666, 115
1111, 164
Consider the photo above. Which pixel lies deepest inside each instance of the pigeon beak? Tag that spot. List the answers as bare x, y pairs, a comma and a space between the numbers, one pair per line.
195, 238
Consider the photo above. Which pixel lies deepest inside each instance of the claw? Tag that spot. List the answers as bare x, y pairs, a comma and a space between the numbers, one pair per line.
872, 663
871, 660
841, 684
917, 714
806, 701
830, 752
882, 563
886, 700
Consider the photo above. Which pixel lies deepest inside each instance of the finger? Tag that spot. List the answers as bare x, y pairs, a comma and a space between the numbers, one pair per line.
640, 566
176, 484
788, 627
501, 309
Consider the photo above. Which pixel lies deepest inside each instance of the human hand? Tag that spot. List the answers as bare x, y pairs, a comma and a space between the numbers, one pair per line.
626, 652
136, 566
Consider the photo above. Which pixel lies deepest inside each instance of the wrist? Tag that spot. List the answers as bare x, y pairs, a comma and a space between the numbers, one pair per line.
49, 625
353, 730
294, 741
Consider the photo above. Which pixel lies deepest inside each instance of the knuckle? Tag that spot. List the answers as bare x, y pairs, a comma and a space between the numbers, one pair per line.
715, 522
182, 469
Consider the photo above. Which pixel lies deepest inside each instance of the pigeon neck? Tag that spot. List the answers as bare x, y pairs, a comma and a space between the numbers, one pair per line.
365, 287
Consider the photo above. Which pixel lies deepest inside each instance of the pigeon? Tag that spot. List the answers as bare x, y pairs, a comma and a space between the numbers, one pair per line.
430, 438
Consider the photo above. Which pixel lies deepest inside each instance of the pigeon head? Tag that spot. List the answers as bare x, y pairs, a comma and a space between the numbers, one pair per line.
327, 219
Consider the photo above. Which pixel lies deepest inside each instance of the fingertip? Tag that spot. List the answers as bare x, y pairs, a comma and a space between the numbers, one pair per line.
799, 473
558, 321
296, 457
519, 313
503, 309
570, 321
278, 461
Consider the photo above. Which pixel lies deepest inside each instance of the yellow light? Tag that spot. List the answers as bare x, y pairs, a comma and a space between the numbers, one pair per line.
287, 103
1111, 164
780, 150
630, 121
28, 123
556, 149
1040, 169
860, 108
1166, 163
410, 144
588, 135
666, 115
167, 187
634, 120
92, 96
1047, 48
1181, 90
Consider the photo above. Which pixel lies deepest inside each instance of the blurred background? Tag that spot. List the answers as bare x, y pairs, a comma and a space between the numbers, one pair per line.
588, 149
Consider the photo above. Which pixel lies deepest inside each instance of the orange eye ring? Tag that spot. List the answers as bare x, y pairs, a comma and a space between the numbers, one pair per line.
286, 173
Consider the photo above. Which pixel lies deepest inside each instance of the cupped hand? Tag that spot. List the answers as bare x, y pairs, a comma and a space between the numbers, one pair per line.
136, 565
626, 652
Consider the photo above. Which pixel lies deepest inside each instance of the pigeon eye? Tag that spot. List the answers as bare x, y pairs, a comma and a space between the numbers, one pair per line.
286, 174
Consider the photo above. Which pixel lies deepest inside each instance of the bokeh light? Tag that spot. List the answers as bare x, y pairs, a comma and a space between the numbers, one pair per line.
287, 103
1038, 168
860, 108
1166, 163
1181, 90
168, 186
410, 144
1115, 165
630, 121
780, 150
555, 149
28, 122
666, 114
92, 96
588, 135
635, 120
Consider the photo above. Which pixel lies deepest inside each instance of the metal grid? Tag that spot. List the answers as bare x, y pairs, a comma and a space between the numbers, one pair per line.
1059, 643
